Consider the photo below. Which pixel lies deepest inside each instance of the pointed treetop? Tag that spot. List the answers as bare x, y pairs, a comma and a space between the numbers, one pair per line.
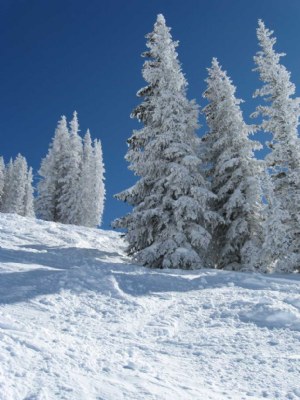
74, 124
87, 137
262, 29
215, 64
62, 122
217, 77
216, 68
62, 127
261, 23
265, 38
161, 19
268, 65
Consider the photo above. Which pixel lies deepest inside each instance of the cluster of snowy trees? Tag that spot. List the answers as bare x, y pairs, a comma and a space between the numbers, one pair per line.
209, 202
71, 189
16, 191
71, 186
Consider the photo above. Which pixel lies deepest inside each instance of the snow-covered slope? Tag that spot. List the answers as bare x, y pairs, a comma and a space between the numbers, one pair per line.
78, 322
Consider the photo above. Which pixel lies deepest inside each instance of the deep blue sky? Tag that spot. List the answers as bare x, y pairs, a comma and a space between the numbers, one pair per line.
59, 55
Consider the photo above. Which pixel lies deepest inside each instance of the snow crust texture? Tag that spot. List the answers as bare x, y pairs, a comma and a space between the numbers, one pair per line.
77, 321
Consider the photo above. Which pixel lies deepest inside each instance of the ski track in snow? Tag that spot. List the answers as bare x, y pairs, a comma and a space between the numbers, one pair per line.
78, 322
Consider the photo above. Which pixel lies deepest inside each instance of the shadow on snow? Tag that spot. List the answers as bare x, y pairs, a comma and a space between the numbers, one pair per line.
81, 269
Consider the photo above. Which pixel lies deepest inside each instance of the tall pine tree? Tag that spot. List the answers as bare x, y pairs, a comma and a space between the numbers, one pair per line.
97, 177
86, 183
51, 172
92, 191
234, 174
168, 224
281, 118
28, 197
69, 179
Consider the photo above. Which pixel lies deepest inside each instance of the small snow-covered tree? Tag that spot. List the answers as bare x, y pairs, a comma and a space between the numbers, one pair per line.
5, 206
17, 188
281, 118
69, 178
28, 198
92, 191
51, 172
168, 226
234, 174
98, 179
71, 188
2, 177
86, 184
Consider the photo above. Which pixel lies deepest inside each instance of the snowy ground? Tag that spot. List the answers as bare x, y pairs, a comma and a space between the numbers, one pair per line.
78, 322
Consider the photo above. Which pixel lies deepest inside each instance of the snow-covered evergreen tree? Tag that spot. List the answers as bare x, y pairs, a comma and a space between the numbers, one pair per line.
69, 178
17, 188
86, 184
281, 118
2, 177
28, 198
234, 174
51, 171
5, 206
71, 189
275, 254
92, 192
98, 179
168, 224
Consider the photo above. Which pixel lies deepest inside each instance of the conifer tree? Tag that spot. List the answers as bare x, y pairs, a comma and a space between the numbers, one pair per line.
98, 179
17, 185
8, 173
168, 226
92, 192
51, 173
17, 188
86, 184
71, 189
28, 197
69, 176
281, 118
234, 174
275, 254
8, 179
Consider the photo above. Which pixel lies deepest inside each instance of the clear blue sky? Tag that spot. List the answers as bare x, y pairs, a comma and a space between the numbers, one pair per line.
59, 55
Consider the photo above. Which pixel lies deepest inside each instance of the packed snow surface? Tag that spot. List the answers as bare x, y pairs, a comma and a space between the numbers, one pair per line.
79, 322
